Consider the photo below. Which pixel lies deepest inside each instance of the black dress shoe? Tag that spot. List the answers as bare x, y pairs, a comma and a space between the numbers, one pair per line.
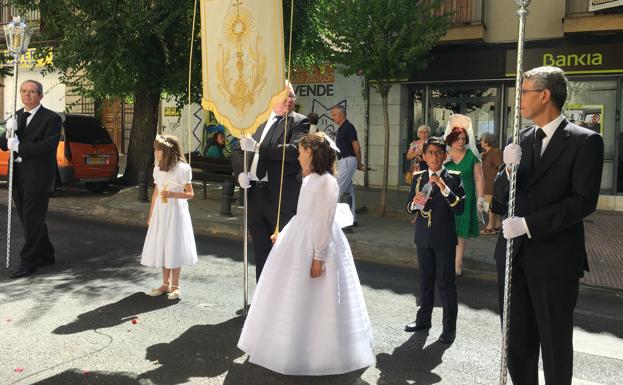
355, 224
23, 272
415, 327
347, 229
447, 338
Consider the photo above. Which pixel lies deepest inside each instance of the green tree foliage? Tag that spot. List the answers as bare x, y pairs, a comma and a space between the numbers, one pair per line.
122, 48
139, 49
386, 40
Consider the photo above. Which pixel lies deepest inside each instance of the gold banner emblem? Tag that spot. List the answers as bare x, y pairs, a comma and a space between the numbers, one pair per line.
238, 80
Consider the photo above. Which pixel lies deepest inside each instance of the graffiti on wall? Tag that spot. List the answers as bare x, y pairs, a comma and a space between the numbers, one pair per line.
325, 122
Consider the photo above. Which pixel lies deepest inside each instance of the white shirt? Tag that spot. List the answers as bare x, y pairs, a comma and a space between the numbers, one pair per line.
256, 155
550, 129
28, 119
446, 191
32, 113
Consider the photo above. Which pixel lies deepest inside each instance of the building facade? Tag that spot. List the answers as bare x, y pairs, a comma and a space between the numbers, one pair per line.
472, 71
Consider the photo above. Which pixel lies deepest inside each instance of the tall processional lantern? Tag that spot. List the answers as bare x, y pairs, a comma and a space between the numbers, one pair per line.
17, 34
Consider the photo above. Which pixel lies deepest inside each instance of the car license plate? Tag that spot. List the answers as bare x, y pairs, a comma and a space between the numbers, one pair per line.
95, 159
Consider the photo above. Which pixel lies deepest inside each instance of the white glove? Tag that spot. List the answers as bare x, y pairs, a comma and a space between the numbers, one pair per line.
513, 227
13, 143
11, 126
244, 180
512, 154
247, 143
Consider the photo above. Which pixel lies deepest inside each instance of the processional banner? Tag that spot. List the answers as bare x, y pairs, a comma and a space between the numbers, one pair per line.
242, 60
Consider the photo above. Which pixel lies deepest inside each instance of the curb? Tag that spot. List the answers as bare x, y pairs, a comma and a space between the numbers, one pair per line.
397, 256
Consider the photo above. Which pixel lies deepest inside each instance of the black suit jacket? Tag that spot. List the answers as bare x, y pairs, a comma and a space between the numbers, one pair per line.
37, 148
439, 209
554, 198
271, 153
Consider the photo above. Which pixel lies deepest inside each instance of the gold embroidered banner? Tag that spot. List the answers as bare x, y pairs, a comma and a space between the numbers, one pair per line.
242, 60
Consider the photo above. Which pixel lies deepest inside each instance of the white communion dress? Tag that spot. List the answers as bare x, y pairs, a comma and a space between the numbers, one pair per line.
170, 241
298, 325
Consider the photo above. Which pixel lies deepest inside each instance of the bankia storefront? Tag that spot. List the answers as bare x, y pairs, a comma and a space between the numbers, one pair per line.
479, 81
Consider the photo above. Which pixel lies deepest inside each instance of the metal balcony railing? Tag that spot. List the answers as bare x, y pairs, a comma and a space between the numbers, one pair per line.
7, 11
580, 8
465, 12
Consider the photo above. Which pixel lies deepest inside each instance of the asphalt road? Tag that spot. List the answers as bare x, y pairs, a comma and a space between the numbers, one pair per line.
72, 323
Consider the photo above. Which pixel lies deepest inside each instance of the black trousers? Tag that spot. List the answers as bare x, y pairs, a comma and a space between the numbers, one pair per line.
437, 264
541, 316
262, 222
32, 208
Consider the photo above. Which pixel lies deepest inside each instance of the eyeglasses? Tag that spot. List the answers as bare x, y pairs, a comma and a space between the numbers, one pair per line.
523, 91
437, 153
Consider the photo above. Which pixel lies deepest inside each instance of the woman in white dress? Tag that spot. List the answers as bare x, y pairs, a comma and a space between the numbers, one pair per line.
308, 315
170, 242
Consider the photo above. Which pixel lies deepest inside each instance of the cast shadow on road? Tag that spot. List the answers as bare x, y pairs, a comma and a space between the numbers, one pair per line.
248, 373
75, 376
404, 280
411, 362
89, 263
201, 351
373, 275
208, 351
115, 314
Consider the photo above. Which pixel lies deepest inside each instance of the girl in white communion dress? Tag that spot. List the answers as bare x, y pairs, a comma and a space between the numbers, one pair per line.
170, 242
308, 315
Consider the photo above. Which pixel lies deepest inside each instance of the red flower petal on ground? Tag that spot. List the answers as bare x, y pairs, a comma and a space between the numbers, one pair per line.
19, 370
134, 321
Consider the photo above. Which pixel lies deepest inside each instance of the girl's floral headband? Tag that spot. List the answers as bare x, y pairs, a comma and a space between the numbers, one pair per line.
162, 140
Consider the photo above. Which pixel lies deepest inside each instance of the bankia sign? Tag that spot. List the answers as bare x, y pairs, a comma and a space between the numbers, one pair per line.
589, 59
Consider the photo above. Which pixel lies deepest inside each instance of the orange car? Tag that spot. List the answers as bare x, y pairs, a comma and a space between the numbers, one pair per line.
86, 154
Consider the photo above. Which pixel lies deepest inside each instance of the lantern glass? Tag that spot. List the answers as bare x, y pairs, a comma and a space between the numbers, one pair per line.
18, 35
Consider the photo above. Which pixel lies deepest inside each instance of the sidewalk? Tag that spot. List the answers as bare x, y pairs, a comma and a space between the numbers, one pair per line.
387, 240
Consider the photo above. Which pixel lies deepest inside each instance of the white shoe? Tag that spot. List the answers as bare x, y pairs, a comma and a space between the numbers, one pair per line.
156, 292
174, 294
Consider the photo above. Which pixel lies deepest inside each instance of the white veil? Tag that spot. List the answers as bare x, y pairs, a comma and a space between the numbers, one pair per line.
465, 122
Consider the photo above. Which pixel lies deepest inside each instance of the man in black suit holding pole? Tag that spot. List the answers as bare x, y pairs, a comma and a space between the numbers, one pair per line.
34, 153
558, 182
263, 179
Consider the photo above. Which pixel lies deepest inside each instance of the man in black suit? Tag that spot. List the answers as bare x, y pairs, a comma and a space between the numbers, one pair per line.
264, 158
34, 151
435, 237
558, 182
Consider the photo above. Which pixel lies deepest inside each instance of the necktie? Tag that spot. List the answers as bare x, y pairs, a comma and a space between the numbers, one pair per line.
538, 146
261, 168
434, 186
21, 123
273, 128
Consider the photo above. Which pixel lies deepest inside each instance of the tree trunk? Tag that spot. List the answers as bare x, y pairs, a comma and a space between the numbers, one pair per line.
384, 91
142, 134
